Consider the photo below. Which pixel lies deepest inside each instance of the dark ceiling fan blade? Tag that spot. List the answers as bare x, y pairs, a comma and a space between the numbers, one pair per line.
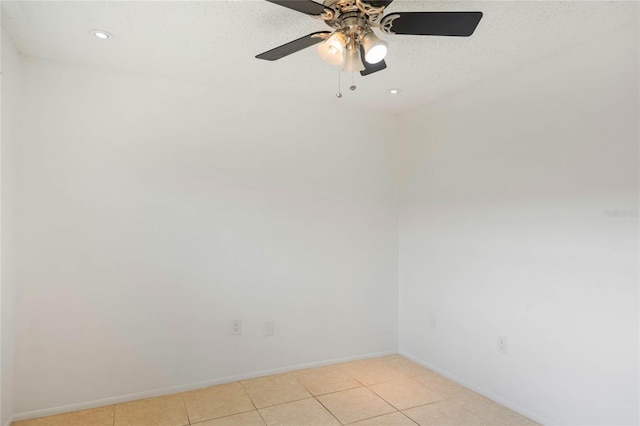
457, 24
293, 46
371, 68
305, 6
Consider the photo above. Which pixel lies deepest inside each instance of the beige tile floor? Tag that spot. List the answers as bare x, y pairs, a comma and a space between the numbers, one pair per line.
386, 391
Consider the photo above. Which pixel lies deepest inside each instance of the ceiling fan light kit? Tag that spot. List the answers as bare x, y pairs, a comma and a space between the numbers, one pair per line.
374, 49
332, 49
352, 44
352, 60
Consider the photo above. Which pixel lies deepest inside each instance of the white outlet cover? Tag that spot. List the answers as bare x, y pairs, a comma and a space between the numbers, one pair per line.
502, 344
269, 328
236, 327
433, 320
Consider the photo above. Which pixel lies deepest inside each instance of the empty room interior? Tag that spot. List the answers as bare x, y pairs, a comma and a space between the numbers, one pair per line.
296, 212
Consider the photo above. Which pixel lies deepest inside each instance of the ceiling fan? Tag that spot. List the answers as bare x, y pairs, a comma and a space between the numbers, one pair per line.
353, 39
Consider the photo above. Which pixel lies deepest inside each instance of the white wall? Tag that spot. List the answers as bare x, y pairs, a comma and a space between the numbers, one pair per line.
10, 106
152, 212
503, 231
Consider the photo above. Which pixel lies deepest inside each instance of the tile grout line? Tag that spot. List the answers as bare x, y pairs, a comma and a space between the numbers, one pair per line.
252, 403
318, 401
410, 419
184, 404
381, 397
408, 408
279, 404
338, 391
373, 417
362, 385
329, 411
223, 417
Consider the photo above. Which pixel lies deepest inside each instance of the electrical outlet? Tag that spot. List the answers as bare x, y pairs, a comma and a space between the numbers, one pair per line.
433, 321
236, 327
502, 344
269, 328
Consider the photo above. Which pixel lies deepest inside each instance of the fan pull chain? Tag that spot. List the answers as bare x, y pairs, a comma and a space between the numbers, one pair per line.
339, 94
353, 83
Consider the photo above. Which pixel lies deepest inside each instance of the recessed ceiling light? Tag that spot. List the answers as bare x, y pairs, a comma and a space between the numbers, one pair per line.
103, 35
394, 91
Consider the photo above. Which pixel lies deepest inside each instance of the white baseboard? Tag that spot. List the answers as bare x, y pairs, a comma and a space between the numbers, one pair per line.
9, 421
182, 388
497, 398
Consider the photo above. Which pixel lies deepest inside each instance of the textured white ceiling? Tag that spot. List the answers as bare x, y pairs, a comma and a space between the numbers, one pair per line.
215, 42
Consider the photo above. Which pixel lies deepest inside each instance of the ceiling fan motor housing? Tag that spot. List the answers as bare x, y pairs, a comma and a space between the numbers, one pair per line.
353, 25
346, 10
